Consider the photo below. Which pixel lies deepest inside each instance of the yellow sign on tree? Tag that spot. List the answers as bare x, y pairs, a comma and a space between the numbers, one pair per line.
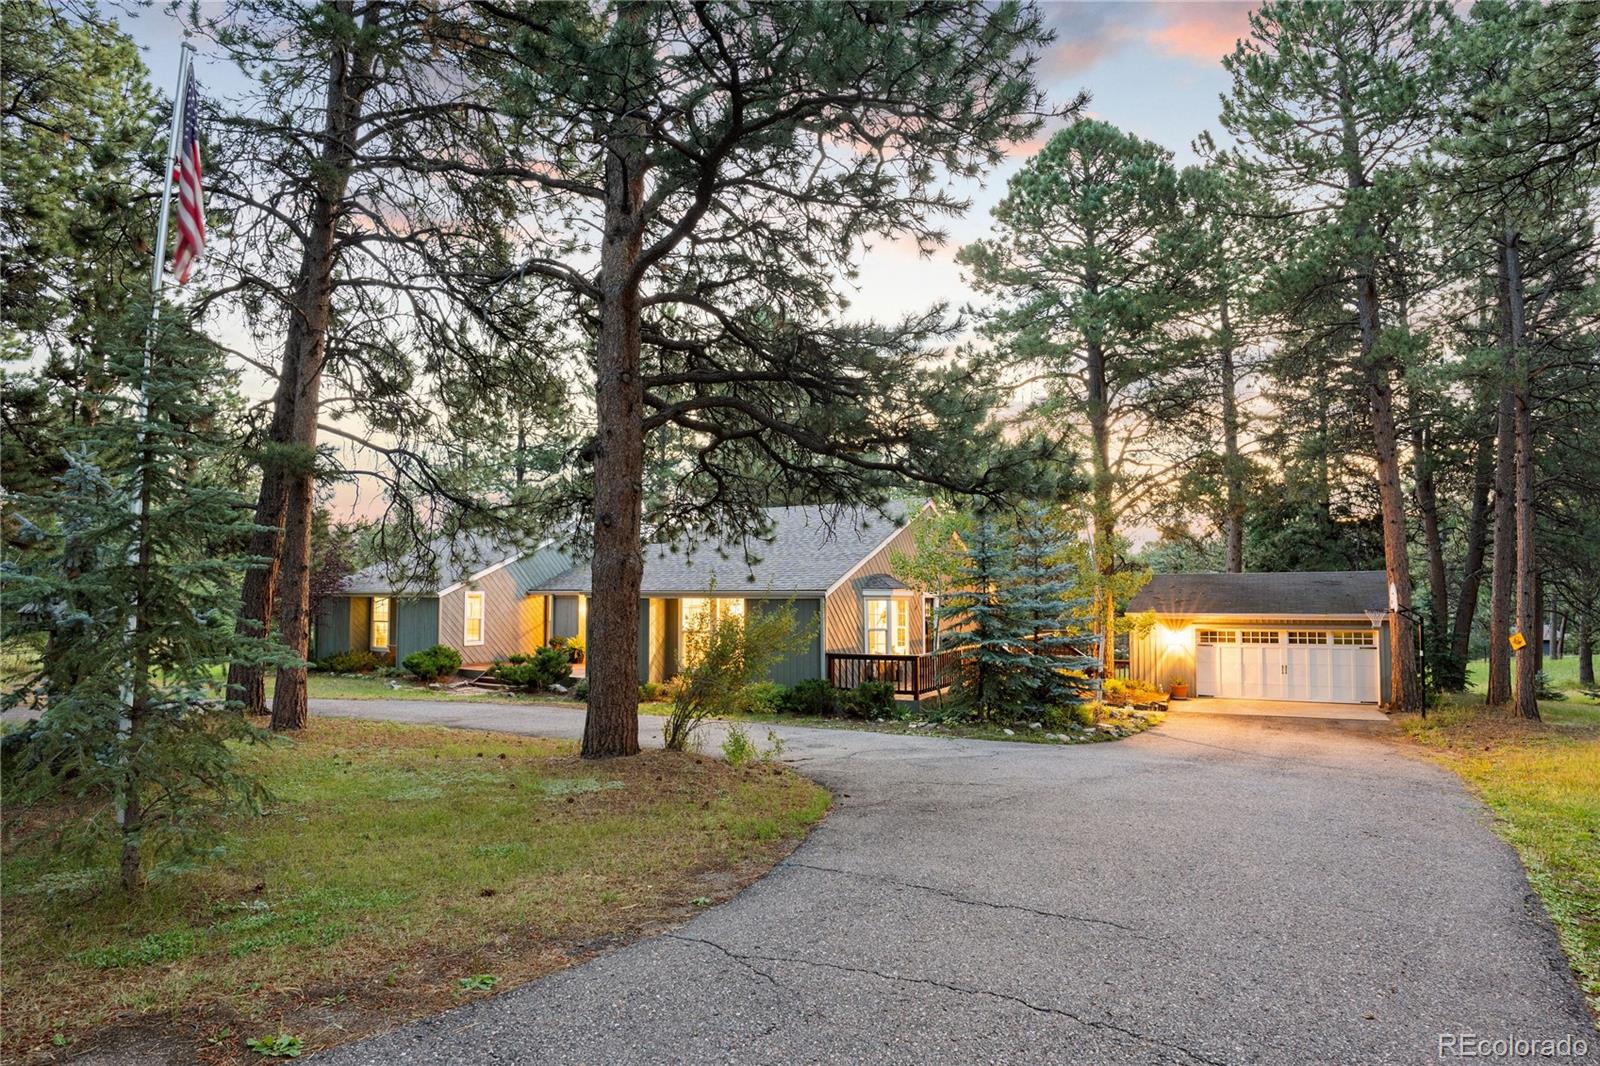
1518, 642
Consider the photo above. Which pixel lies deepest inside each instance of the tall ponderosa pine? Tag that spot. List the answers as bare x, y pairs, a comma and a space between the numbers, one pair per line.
369, 195
1520, 171
1090, 275
709, 172
81, 567
1332, 102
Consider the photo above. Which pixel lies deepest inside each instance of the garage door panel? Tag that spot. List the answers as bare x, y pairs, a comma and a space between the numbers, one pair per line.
1321, 666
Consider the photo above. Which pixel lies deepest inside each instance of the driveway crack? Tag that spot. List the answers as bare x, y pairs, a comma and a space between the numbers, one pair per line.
749, 960
955, 897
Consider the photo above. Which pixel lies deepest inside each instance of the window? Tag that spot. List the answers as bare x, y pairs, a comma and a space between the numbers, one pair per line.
1218, 636
1258, 636
888, 626
380, 621
930, 623
472, 626
1359, 638
1307, 636
696, 613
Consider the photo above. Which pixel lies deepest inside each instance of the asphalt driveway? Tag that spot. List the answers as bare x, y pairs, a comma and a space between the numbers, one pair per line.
1219, 890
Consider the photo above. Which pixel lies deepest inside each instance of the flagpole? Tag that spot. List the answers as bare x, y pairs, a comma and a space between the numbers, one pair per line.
136, 503
158, 273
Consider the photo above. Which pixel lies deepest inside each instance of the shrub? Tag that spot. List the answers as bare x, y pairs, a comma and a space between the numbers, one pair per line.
870, 699
726, 655
353, 661
764, 697
546, 667
649, 692
813, 696
441, 660
553, 666
737, 747
580, 691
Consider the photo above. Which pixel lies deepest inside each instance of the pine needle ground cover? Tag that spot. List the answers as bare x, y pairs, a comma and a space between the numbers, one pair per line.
400, 870
1542, 780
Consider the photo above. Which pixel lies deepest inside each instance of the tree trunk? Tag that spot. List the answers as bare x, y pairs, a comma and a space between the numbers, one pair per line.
1105, 526
1405, 691
1585, 650
349, 77
1539, 613
1502, 582
245, 680
1472, 567
1524, 697
1433, 540
1233, 474
611, 726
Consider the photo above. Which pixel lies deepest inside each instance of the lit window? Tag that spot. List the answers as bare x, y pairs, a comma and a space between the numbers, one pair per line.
888, 626
1218, 636
1258, 636
472, 630
1307, 636
380, 621
1359, 638
696, 616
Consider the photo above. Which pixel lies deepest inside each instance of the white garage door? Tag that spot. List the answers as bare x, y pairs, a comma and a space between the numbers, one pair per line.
1316, 665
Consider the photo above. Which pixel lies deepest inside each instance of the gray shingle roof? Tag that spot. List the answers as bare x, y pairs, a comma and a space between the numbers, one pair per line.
811, 548
1335, 592
455, 561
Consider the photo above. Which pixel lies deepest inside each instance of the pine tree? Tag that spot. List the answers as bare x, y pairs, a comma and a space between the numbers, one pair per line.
708, 175
980, 612
134, 616
1333, 102
1042, 609
1020, 626
1090, 280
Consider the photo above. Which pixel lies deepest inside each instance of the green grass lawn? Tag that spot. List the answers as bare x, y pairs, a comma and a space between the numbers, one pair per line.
394, 862
373, 687
1561, 673
1542, 780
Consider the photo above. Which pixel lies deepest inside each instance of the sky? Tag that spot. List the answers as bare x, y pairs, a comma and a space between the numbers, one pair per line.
1154, 69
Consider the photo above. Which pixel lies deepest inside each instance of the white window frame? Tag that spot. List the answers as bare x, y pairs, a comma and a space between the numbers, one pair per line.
467, 600
712, 609
387, 622
897, 623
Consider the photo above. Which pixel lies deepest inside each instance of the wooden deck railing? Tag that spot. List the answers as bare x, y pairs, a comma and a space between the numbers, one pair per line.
911, 675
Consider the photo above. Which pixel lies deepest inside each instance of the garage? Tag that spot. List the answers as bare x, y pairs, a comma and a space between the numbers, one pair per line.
1298, 637
1315, 665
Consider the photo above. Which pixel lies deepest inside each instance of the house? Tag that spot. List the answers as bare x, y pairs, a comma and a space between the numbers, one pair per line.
831, 566
478, 604
1320, 637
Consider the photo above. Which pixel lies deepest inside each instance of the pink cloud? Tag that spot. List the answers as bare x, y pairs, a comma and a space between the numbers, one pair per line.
1205, 31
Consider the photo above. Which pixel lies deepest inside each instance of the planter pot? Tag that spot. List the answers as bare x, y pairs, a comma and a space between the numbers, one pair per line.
1180, 692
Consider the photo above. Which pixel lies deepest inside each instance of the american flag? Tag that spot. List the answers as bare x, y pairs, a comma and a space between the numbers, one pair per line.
191, 195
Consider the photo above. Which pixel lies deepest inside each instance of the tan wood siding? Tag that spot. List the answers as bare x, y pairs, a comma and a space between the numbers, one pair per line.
361, 622
512, 622
843, 608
